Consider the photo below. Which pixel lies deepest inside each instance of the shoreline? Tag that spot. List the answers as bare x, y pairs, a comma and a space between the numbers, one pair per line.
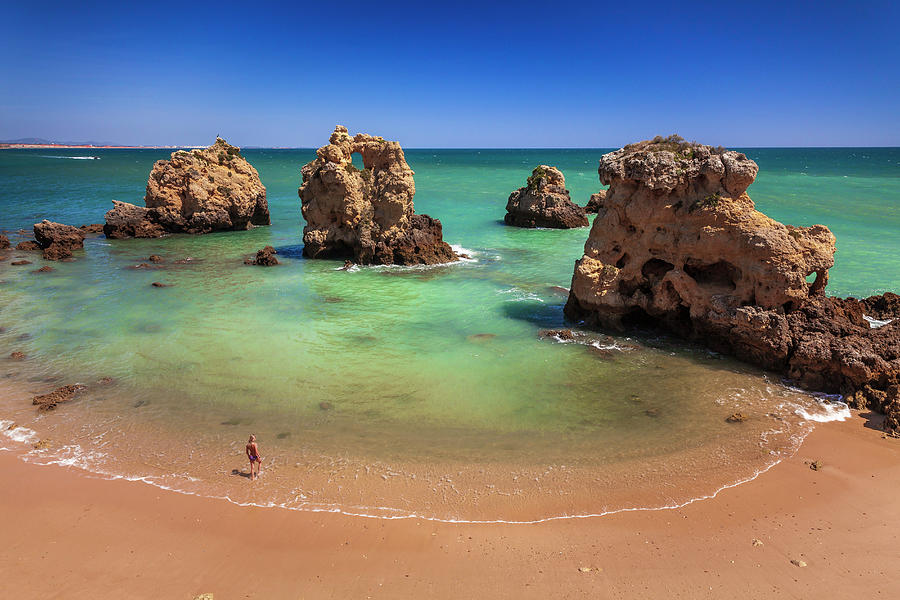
397, 490
838, 520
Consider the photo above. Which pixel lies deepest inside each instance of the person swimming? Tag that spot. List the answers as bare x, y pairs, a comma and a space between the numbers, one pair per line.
253, 454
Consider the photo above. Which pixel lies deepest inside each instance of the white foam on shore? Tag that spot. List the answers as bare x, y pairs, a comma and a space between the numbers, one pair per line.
394, 514
825, 412
90, 463
16, 433
876, 323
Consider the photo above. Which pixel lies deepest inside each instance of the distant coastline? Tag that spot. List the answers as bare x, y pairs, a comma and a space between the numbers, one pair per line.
5, 146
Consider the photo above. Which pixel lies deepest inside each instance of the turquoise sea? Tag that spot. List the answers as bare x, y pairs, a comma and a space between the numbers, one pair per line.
398, 391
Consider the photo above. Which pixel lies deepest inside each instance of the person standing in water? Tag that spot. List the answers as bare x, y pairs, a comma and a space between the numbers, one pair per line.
253, 455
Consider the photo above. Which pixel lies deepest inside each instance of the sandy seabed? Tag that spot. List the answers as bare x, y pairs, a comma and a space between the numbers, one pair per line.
793, 532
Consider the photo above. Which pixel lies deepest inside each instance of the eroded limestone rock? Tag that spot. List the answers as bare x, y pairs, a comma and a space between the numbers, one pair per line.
544, 202
197, 191
595, 203
263, 258
57, 240
28, 246
679, 244
366, 214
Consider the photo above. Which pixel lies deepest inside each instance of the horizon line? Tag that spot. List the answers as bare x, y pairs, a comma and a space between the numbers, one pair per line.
50, 146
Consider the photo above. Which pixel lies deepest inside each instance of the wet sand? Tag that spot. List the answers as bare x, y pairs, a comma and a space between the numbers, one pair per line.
69, 535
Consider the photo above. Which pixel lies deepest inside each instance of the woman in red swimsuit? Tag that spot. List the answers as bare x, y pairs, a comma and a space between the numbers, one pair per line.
253, 455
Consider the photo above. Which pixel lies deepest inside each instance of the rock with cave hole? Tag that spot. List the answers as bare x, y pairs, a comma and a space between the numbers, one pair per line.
366, 215
679, 244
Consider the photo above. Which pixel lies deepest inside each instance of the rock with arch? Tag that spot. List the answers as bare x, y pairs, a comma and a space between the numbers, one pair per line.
366, 215
678, 243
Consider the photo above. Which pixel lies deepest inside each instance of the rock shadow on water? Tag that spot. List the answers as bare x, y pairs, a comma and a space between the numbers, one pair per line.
535, 312
416, 272
294, 251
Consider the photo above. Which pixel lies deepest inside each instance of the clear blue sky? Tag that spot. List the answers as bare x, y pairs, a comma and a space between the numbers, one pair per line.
453, 74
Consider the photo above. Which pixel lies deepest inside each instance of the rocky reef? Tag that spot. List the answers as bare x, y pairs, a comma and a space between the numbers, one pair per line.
678, 243
57, 240
544, 202
595, 203
367, 214
58, 396
197, 191
263, 258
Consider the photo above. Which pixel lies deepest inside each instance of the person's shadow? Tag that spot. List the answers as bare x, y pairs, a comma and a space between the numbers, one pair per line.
241, 473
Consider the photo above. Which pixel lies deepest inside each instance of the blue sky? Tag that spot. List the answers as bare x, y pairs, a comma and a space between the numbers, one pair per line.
453, 74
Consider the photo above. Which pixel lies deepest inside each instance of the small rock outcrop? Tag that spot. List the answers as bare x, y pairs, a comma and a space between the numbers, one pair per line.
197, 191
595, 203
367, 214
57, 240
4, 242
28, 246
56, 397
544, 202
679, 244
264, 258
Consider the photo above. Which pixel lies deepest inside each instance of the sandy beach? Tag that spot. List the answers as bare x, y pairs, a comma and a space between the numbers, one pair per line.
70, 535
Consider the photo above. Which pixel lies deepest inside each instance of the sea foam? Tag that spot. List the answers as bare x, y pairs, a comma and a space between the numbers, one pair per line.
16, 433
876, 323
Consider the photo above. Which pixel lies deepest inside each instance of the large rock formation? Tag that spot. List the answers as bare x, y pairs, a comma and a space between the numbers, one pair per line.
58, 240
678, 243
366, 215
544, 202
201, 191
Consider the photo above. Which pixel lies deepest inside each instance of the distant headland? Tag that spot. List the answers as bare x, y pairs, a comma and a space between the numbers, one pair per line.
25, 143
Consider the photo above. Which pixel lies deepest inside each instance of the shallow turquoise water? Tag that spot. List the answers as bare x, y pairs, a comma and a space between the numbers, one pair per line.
421, 369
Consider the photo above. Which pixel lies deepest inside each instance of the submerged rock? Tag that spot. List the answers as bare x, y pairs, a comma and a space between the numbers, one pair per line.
92, 229
680, 245
28, 246
58, 240
19, 263
264, 258
16, 355
366, 215
46, 269
155, 258
595, 203
544, 202
56, 397
214, 189
159, 284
